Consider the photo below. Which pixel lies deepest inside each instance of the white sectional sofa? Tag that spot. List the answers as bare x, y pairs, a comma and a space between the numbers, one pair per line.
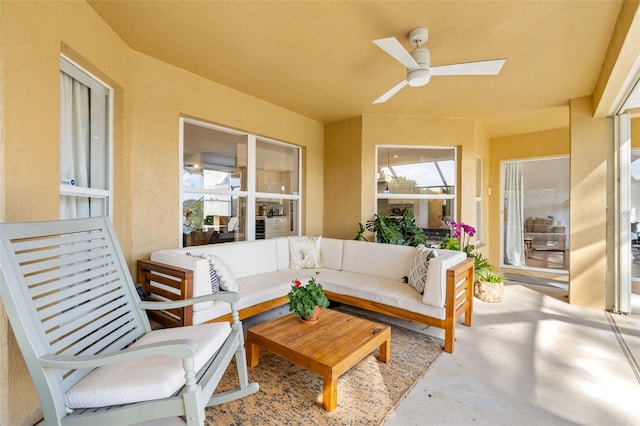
363, 274
546, 233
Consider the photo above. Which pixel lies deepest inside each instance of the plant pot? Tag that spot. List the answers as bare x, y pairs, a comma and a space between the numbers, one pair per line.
315, 316
489, 292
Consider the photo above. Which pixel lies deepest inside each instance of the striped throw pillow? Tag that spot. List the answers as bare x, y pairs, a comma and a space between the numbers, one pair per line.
213, 275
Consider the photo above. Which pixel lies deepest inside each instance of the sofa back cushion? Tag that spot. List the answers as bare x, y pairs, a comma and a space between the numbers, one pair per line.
282, 248
263, 255
380, 260
331, 250
246, 258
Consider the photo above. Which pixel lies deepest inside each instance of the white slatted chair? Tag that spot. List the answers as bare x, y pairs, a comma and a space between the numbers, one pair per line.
86, 339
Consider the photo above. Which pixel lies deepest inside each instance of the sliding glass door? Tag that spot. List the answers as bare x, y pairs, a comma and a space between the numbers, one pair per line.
535, 226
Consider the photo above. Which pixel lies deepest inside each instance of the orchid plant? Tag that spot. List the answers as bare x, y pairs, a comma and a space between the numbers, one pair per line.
460, 236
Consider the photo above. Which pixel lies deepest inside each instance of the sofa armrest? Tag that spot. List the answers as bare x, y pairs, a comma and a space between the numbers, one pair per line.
459, 299
167, 283
436, 284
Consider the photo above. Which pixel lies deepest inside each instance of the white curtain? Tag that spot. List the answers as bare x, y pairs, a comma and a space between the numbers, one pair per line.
514, 215
74, 145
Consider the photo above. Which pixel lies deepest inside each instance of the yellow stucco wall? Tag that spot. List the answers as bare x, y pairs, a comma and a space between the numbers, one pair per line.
163, 93
588, 184
343, 178
149, 98
31, 40
355, 174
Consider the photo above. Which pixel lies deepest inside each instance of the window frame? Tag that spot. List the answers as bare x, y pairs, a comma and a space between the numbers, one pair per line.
250, 194
392, 196
479, 199
90, 80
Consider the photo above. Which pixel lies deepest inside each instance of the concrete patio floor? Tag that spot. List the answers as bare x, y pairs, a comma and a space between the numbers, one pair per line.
533, 359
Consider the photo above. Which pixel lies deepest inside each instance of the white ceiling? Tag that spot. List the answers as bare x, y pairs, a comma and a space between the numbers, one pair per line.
317, 57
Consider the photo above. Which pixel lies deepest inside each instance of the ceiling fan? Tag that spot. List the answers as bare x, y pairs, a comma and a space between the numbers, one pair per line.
418, 63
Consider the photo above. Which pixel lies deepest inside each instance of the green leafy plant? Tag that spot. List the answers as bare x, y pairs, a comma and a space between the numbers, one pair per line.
450, 243
387, 229
488, 276
400, 230
304, 298
481, 263
412, 233
360, 234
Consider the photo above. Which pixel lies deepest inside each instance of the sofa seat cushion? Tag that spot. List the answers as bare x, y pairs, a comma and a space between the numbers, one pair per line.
387, 291
147, 378
261, 288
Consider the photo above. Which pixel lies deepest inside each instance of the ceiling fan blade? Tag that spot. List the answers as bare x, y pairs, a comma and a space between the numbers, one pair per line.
491, 67
393, 47
389, 93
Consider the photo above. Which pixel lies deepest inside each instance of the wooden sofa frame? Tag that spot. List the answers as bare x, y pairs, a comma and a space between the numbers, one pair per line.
458, 300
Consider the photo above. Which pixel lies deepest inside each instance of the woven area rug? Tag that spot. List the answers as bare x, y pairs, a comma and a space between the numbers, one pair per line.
290, 395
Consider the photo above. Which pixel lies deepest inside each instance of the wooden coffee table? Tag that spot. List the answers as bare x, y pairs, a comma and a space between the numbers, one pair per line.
329, 348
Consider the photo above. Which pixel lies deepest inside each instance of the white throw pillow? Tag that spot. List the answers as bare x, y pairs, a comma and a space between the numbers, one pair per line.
304, 252
419, 267
213, 275
227, 281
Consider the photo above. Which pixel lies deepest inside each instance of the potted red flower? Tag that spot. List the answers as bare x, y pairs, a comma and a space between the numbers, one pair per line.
305, 300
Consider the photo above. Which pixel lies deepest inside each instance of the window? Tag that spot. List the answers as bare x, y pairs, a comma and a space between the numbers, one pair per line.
236, 186
85, 147
420, 179
277, 188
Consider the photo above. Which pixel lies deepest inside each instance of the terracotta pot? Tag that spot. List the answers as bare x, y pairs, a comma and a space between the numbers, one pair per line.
315, 316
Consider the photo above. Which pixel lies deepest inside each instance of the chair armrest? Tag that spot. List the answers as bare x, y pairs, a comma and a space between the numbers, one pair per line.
175, 348
225, 296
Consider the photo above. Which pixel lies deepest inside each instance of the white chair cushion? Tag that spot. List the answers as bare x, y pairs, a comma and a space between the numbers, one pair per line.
147, 378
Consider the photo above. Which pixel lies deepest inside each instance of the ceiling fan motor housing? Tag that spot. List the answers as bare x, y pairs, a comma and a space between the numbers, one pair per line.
418, 36
418, 77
